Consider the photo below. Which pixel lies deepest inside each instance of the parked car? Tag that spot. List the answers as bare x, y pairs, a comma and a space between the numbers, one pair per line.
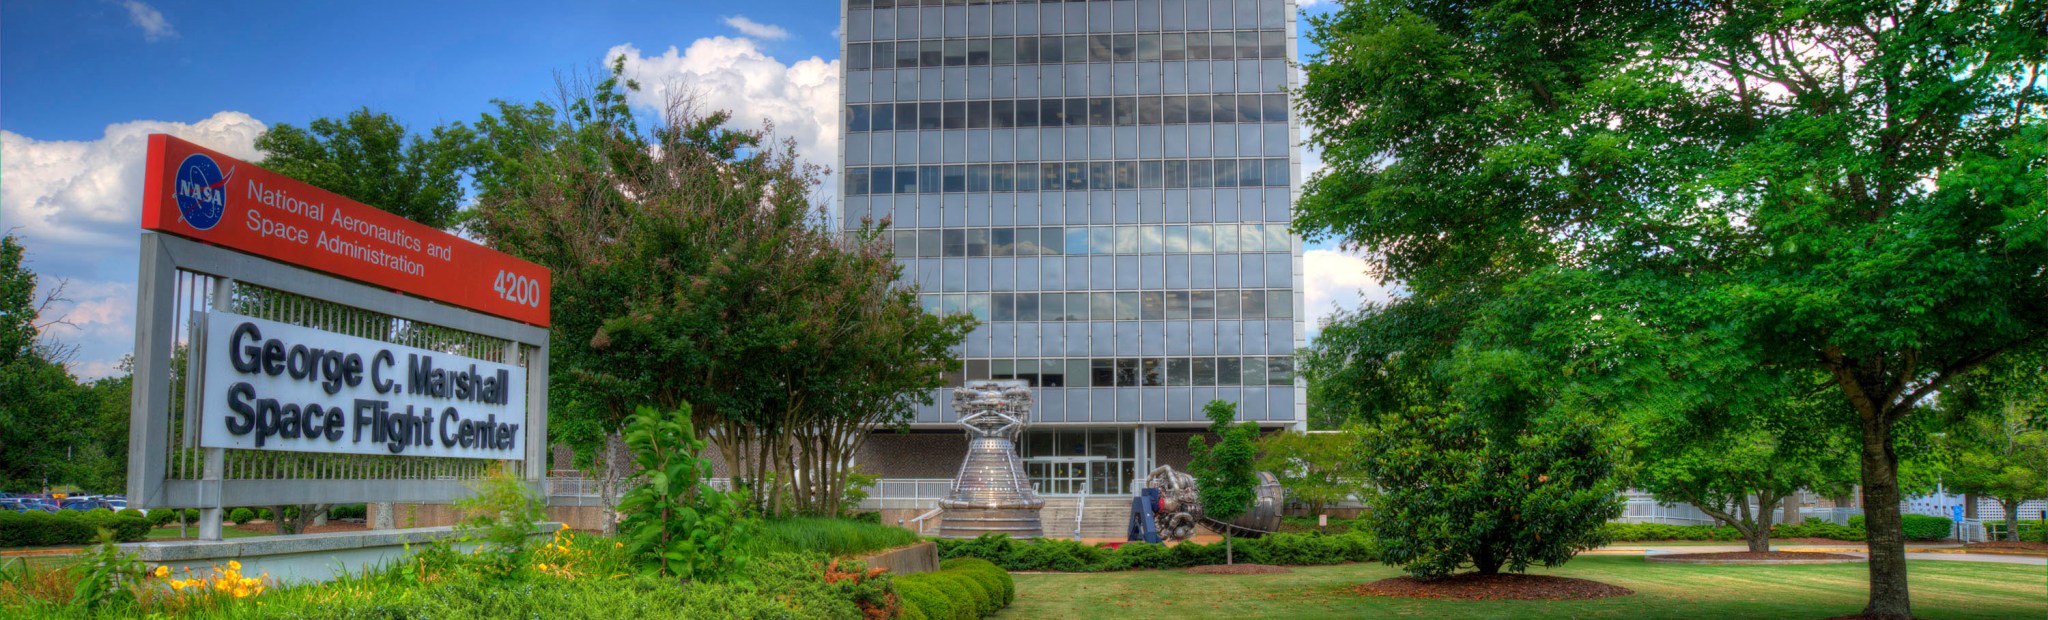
85, 504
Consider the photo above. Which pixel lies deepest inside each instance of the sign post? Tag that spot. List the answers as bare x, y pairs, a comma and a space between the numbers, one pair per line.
328, 352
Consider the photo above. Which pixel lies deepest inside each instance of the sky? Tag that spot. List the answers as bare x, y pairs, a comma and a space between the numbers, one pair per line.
83, 83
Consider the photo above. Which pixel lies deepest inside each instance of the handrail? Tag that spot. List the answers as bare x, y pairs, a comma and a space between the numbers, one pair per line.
1080, 510
919, 520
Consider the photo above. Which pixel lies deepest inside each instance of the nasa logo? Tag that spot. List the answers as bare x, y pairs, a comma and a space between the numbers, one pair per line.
202, 191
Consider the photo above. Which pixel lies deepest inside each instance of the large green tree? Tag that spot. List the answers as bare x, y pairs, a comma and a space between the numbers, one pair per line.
43, 411
1318, 469
692, 266
371, 158
1999, 444
1850, 189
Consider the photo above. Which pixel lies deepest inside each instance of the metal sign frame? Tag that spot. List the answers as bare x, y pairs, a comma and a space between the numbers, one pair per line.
150, 483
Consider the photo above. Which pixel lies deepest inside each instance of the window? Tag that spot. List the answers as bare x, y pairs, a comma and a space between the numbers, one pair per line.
1048, 50
1027, 113
1124, 47
1027, 306
1150, 111
1077, 112
1248, 108
1198, 46
977, 179
1202, 305
1221, 46
1204, 371
1279, 304
906, 243
1126, 111
1027, 51
1248, 45
1102, 306
977, 114
1173, 46
1177, 174
1154, 373
1279, 371
1048, 308
1179, 371
955, 179
1253, 304
1198, 109
1273, 44
929, 116
928, 244
932, 53
1102, 372
1002, 242
1176, 305
906, 55
956, 53
1077, 49
1077, 306
956, 242
1229, 371
1003, 51
1153, 175
856, 118
955, 115
857, 56
1224, 108
1100, 48
1002, 113
1099, 175
1254, 371
1128, 307
1227, 306
978, 52
1099, 112
1153, 305
1126, 372
1004, 308
1148, 48
882, 117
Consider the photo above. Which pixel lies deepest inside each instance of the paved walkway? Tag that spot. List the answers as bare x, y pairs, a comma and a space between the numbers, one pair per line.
1954, 556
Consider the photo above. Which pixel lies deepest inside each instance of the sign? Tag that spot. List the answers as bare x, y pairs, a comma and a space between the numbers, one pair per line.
201, 194
276, 386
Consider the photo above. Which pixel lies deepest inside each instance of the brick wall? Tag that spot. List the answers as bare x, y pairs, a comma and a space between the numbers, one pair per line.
890, 454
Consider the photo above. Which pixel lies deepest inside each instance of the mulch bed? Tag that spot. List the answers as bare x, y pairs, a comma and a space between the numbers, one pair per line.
2010, 545
1238, 569
1500, 587
1757, 555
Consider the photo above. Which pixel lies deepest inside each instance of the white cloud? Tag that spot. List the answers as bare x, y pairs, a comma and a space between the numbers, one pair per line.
801, 99
77, 205
154, 26
1334, 280
756, 29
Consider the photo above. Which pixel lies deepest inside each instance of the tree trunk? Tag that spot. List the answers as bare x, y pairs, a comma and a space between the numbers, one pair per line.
1229, 553
1889, 597
1760, 536
2012, 517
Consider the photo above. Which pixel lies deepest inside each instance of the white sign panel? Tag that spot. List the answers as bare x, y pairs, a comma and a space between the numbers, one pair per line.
275, 386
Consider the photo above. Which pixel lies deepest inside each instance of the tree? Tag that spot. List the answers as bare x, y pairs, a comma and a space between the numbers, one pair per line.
2000, 445
677, 525
1317, 468
1739, 466
1224, 477
42, 409
370, 158
1447, 492
1848, 189
692, 267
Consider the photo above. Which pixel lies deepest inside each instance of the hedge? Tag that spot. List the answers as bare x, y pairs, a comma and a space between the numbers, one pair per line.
67, 527
1659, 531
1927, 527
240, 516
1059, 555
349, 511
962, 589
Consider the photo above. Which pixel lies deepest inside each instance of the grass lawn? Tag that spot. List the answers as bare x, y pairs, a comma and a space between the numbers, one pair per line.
1940, 590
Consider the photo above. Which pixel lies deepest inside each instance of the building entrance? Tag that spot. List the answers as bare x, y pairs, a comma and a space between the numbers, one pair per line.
1098, 461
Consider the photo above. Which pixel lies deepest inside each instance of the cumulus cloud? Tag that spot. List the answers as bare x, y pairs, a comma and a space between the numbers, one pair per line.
801, 99
756, 29
77, 205
154, 26
1335, 280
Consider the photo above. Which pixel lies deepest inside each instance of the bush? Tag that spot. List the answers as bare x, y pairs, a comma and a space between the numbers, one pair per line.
1660, 531
67, 527
1068, 556
191, 515
963, 589
1927, 527
241, 515
1816, 528
164, 516
132, 513
835, 537
349, 511
921, 599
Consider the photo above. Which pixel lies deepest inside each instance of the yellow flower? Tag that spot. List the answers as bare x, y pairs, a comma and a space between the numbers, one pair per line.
241, 593
565, 527
618, 545
543, 567
233, 565
162, 570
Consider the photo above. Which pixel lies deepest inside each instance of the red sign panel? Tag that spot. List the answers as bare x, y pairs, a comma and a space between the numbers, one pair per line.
200, 194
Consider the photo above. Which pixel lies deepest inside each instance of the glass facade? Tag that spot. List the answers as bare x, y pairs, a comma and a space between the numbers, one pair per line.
1105, 184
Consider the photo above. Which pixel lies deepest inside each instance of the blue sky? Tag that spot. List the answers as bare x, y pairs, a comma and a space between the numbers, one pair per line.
82, 83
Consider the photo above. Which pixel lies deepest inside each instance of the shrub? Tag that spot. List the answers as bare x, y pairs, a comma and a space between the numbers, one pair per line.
1927, 527
674, 524
241, 515
996, 580
924, 600
163, 516
963, 589
1660, 531
1069, 556
349, 511
191, 515
68, 527
1816, 528
1856, 521
132, 513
